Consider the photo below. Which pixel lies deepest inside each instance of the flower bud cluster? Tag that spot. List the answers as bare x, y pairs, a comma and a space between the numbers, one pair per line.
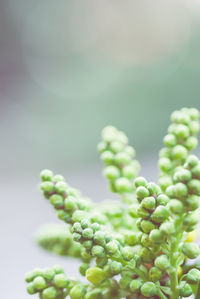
68, 202
118, 156
50, 283
180, 140
58, 239
184, 193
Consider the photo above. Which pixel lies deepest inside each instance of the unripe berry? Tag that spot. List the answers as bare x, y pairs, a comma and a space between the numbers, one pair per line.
193, 202
148, 289
99, 238
131, 238
109, 133
60, 281
191, 143
116, 146
69, 203
129, 172
95, 275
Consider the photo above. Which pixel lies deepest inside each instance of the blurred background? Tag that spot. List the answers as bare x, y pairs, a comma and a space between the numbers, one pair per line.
67, 69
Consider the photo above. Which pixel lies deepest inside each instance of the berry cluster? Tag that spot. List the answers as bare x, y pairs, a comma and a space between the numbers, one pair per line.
180, 140
138, 248
118, 156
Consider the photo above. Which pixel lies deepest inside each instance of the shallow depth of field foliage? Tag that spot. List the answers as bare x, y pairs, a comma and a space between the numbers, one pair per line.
141, 246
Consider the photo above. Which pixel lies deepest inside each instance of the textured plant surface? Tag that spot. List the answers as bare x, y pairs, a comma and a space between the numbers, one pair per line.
137, 247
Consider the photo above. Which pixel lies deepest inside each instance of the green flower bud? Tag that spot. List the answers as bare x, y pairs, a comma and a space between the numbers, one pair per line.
83, 268
39, 283
155, 274
76, 237
170, 191
148, 289
147, 226
58, 269
112, 247
129, 172
140, 181
69, 203
56, 200
180, 190
101, 261
194, 113
196, 171
194, 127
115, 267
193, 276
123, 185
61, 187
191, 219
60, 280
185, 290
116, 146
94, 294
109, 133
58, 178
191, 161
95, 275
99, 237
77, 228
112, 172
127, 253
107, 157
194, 187
122, 158
193, 202
167, 228
145, 241
98, 251
160, 214
49, 293
95, 226
149, 203
156, 236
170, 140
87, 233
88, 244
175, 206
182, 175
191, 143
101, 147
135, 285
131, 238
31, 288
132, 210
162, 262
165, 182
191, 250
143, 213
124, 282
153, 188
46, 175
78, 216
77, 292
142, 192
47, 187
165, 164
162, 200
182, 131
179, 152
146, 255
48, 273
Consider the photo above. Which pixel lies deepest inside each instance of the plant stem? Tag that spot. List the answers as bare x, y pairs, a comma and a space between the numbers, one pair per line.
161, 295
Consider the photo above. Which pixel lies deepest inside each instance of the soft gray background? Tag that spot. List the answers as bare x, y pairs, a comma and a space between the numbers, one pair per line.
67, 69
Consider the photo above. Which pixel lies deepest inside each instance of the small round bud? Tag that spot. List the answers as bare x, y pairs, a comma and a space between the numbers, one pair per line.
180, 190
170, 191
127, 253
77, 292
39, 283
194, 127
196, 171
87, 233
135, 285
61, 187
129, 172
99, 238
47, 187
95, 275
83, 268
77, 228
49, 293
193, 202
56, 200
101, 261
115, 267
162, 200
131, 238
193, 276
194, 113
60, 281
76, 237
109, 133
58, 269
112, 247
95, 226
185, 290
175, 206
107, 157
143, 213
58, 178
123, 185
170, 140
69, 203
31, 288
147, 226
149, 203
146, 255
167, 228
88, 244
191, 250
182, 175
142, 192
98, 251
182, 131
148, 289
101, 147
122, 158
78, 216
140, 181
48, 273
191, 219
194, 187
165, 182
179, 152
160, 214
132, 210
162, 262
165, 164
153, 188
46, 175
155, 274
191, 143
191, 161
156, 236
111, 172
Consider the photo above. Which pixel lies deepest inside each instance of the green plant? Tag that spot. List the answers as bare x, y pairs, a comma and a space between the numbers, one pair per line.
135, 248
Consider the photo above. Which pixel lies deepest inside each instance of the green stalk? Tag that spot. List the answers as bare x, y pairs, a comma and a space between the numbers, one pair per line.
161, 295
